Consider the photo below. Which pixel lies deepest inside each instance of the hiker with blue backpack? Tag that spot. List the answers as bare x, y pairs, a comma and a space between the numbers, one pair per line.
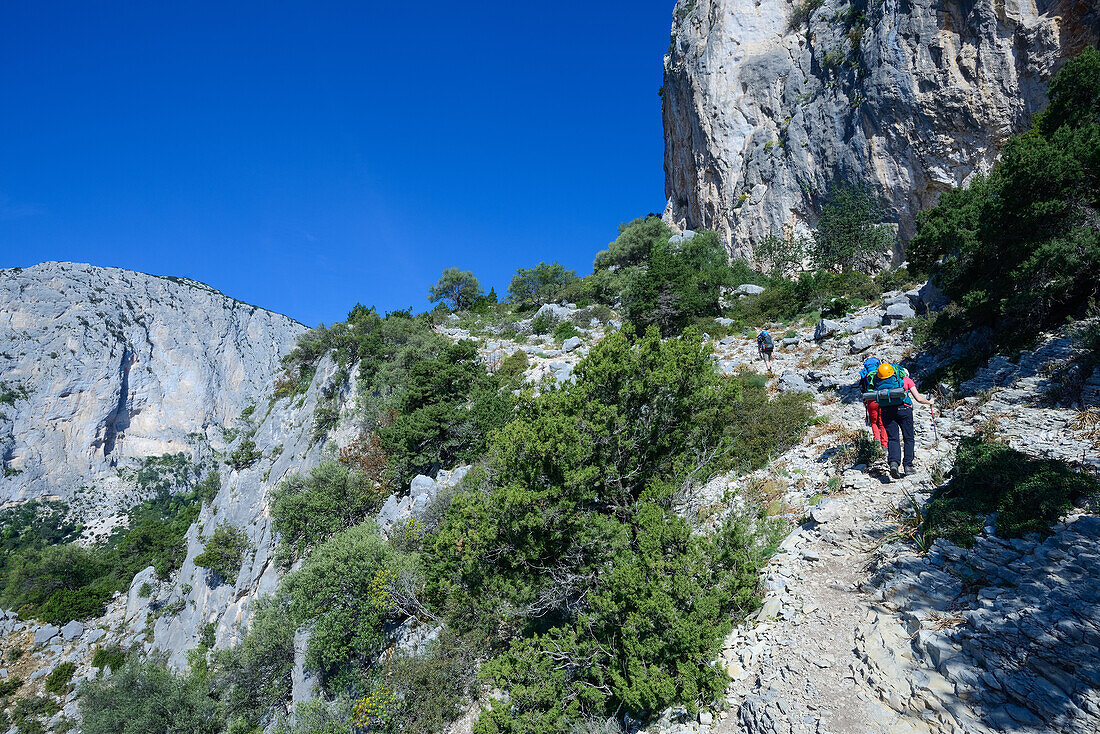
874, 411
765, 344
895, 392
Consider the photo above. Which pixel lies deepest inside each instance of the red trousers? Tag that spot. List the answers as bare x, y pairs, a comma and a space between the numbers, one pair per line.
874, 418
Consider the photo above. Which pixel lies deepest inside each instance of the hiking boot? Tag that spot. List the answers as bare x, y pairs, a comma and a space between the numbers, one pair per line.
907, 469
894, 471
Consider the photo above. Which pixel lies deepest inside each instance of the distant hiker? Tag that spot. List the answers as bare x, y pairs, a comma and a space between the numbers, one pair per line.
765, 345
895, 392
874, 412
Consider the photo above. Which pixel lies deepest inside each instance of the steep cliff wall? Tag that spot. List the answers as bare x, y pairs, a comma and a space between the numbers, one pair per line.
102, 366
765, 103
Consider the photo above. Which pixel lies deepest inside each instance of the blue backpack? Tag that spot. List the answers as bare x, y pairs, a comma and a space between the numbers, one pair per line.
889, 392
867, 373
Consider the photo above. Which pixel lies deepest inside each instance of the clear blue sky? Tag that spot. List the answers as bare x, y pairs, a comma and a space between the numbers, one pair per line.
303, 156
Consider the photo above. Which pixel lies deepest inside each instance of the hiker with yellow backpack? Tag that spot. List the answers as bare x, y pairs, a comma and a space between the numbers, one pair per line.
895, 392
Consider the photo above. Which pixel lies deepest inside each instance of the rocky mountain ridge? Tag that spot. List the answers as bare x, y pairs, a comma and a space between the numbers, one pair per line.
102, 367
766, 104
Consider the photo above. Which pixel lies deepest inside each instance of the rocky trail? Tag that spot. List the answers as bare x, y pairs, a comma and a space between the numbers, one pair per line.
861, 631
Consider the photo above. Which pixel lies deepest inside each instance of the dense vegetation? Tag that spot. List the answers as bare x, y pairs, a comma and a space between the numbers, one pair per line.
46, 575
1028, 495
1018, 250
552, 567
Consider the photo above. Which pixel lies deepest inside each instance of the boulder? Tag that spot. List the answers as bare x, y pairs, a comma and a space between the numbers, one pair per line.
571, 343
45, 633
793, 382
864, 322
827, 510
861, 341
724, 321
896, 299
898, 312
303, 683
927, 298
389, 513
136, 604
422, 485
748, 289
563, 373
72, 630
555, 310
790, 341
684, 236
825, 329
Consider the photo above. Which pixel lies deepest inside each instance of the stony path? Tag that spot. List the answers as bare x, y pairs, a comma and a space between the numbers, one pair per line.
860, 631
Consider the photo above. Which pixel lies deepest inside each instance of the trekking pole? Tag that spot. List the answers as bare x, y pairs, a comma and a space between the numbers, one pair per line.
936, 433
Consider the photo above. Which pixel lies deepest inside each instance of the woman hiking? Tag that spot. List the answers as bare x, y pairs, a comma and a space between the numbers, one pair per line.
895, 392
874, 412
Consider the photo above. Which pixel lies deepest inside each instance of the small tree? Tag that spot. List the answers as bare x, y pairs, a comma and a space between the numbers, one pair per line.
457, 289
850, 234
224, 551
544, 283
786, 254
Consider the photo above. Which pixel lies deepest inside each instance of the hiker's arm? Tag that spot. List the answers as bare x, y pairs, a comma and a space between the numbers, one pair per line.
918, 397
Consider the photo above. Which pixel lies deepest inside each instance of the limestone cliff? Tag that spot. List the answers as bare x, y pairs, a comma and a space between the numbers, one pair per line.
767, 102
101, 366
103, 370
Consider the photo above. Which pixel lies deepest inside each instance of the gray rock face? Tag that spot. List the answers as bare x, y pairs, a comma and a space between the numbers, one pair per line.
748, 289
45, 633
761, 112
793, 382
116, 365
826, 328
571, 343
898, 312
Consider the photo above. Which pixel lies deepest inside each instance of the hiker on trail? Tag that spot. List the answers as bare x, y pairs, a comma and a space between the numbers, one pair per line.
895, 392
765, 345
874, 412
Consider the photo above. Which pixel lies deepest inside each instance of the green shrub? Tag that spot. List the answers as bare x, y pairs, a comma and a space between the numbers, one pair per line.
433, 688
1028, 495
543, 323
144, 697
513, 366
680, 282
57, 682
253, 677
802, 12
245, 455
146, 590
15, 653
450, 406
10, 685
333, 497
112, 656
224, 551
565, 330
850, 234
567, 555
344, 589
320, 717
27, 714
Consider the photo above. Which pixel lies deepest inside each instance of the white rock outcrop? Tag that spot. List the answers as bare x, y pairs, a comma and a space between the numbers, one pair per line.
103, 365
762, 110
